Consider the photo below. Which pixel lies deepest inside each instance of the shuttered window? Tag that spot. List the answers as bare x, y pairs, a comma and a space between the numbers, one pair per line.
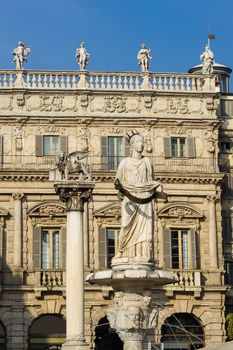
108, 246
180, 249
113, 150
49, 246
50, 145
179, 147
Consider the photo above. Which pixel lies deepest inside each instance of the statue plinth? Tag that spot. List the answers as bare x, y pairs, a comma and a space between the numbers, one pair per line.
136, 263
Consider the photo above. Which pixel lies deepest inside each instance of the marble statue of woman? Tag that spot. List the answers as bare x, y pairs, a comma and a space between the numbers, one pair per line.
208, 60
137, 190
144, 55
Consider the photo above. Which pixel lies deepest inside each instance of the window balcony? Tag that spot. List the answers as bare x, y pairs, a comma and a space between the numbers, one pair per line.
188, 281
49, 280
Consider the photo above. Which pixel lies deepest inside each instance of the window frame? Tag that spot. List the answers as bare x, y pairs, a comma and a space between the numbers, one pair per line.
191, 245
54, 148
51, 261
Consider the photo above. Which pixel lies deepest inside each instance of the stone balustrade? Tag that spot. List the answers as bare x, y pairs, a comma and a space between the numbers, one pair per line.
188, 278
50, 279
122, 81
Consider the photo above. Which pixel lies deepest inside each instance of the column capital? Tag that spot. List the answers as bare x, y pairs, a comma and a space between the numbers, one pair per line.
74, 193
17, 195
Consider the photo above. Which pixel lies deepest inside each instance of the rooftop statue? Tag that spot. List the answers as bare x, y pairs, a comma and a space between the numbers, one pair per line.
82, 56
144, 55
20, 54
208, 60
137, 190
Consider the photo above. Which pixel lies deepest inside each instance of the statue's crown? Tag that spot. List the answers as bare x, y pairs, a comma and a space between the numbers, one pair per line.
130, 134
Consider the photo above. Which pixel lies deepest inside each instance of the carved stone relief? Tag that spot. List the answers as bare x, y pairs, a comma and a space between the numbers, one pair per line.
52, 103
180, 211
178, 105
51, 130
178, 130
115, 104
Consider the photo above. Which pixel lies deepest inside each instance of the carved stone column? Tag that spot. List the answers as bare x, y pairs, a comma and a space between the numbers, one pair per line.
17, 230
75, 194
213, 248
86, 240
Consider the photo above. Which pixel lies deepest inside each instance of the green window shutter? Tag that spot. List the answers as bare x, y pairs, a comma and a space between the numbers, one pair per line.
167, 248
127, 148
36, 247
1, 246
193, 260
102, 248
191, 147
104, 153
167, 147
64, 144
39, 145
63, 242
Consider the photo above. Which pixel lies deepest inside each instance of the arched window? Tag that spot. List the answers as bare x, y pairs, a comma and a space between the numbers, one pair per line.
47, 331
2, 337
105, 337
182, 329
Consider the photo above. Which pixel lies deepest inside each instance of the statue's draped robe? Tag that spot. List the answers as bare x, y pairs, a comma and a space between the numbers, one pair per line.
135, 175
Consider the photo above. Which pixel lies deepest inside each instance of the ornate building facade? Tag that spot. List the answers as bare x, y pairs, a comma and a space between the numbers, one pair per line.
187, 124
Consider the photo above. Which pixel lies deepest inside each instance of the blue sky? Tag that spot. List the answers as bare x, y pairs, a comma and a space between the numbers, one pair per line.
175, 31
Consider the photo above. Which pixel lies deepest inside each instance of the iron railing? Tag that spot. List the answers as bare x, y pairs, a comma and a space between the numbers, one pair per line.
110, 164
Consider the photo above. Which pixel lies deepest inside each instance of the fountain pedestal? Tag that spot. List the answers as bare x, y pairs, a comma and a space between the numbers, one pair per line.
132, 314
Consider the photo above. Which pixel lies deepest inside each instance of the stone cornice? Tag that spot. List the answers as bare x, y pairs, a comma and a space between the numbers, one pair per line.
109, 177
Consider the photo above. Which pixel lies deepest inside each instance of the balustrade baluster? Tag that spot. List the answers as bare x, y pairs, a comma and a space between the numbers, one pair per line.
120, 86
131, 82
28, 84
102, 85
114, 86
63, 81
57, 81
160, 86
73, 81
166, 82
43, 278
34, 85
4, 81
91, 83
39, 80
172, 83
191, 276
182, 86
108, 82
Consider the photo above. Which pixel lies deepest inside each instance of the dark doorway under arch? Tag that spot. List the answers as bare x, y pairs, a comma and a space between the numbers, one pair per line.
47, 331
182, 331
105, 337
2, 337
